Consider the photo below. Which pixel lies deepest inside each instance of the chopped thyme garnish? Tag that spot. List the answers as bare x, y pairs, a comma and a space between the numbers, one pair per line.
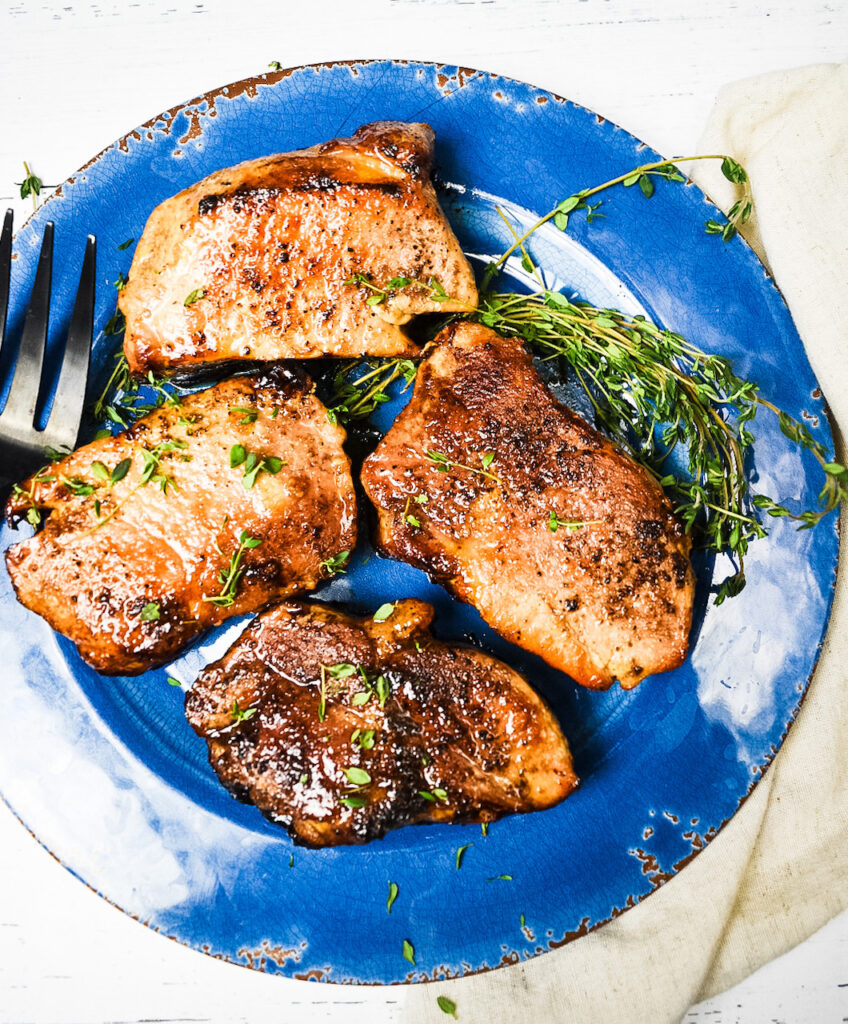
343, 670
357, 776
447, 1006
43, 476
460, 853
174, 682
384, 611
116, 323
31, 186
500, 878
194, 296
230, 576
554, 523
393, 895
408, 951
248, 415
383, 688
357, 394
76, 485
334, 565
379, 295
353, 801
253, 464
444, 465
484, 828
242, 714
434, 795
362, 738
122, 385
121, 282
408, 517
150, 612
127, 244
152, 459
114, 476
322, 695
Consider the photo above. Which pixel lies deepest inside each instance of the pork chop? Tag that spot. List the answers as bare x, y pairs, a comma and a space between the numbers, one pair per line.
566, 546
277, 257
342, 728
238, 496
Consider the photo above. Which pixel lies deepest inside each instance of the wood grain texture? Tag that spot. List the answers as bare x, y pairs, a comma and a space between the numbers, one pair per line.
74, 76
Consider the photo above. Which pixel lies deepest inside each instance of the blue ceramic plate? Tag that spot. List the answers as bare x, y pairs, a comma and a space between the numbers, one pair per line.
107, 773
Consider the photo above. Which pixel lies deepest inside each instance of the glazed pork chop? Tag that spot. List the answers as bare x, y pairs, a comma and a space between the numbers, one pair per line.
515, 504
273, 258
237, 496
340, 728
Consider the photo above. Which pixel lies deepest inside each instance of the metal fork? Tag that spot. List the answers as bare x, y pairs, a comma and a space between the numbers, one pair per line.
22, 446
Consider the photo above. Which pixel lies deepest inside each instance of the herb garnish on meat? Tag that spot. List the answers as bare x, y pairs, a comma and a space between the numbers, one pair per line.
650, 389
230, 576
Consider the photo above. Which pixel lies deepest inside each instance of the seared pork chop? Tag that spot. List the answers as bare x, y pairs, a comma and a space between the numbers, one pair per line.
566, 546
258, 261
341, 728
229, 500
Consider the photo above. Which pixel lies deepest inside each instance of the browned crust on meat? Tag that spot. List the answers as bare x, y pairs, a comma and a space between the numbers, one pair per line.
102, 558
454, 722
271, 243
611, 600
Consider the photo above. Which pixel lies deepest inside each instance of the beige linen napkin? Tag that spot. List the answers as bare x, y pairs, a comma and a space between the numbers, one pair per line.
779, 869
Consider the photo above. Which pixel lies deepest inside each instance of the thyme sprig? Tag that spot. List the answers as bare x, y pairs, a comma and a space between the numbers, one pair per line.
31, 186
231, 574
359, 387
382, 293
443, 464
571, 525
152, 471
124, 399
336, 563
653, 391
33, 513
642, 176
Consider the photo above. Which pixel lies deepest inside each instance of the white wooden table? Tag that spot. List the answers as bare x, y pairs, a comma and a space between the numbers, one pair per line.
75, 75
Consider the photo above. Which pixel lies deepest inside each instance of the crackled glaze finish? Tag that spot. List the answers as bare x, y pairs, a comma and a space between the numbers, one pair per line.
662, 767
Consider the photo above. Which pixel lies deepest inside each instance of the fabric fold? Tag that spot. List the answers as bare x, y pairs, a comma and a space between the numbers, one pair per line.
778, 870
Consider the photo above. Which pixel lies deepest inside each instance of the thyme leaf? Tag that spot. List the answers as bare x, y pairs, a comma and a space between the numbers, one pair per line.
242, 714
334, 565
360, 387
230, 576
150, 612
393, 895
447, 1006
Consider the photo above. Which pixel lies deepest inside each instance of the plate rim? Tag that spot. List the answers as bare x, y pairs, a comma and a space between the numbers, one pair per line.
235, 89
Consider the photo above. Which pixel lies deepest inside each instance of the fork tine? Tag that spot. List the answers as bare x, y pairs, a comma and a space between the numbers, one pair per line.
19, 412
65, 416
5, 271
